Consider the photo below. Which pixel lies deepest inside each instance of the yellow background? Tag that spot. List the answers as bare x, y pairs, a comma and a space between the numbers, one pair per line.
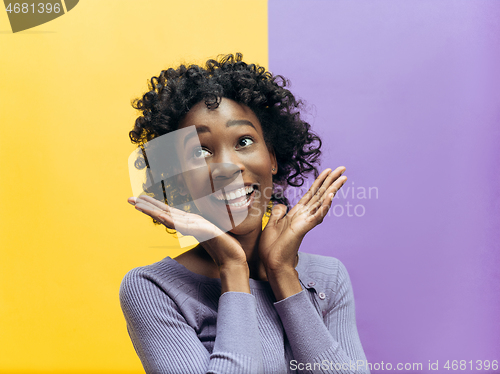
67, 234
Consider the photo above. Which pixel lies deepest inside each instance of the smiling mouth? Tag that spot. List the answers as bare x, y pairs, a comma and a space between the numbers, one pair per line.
236, 198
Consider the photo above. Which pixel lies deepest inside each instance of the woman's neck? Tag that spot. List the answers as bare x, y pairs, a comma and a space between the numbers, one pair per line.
250, 244
199, 261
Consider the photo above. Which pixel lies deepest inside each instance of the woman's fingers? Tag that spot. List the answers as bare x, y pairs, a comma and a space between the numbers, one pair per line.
319, 189
192, 224
183, 222
310, 193
326, 203
316, 186
151, 200
317, 192
152, 208
321, 202
334, 187
149, 204
148, 208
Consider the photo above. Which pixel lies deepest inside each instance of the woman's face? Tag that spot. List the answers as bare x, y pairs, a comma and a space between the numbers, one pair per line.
233, 155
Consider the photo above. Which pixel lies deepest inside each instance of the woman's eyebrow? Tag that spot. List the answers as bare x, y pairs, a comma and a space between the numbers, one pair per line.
236, 122
199, 130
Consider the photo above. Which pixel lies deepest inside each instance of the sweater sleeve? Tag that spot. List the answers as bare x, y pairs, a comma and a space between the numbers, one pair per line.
167, 344
328, 345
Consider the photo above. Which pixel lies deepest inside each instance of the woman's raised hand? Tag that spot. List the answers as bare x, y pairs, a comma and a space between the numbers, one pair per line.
223, 248
281, 238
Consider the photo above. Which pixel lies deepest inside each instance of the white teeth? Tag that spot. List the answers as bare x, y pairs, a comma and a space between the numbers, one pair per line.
234, 194
241, 203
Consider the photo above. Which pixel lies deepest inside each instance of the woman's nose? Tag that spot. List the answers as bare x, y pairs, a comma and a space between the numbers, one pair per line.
226, 166
223, 171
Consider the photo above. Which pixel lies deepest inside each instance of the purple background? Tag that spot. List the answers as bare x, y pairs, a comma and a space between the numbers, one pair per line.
406, 95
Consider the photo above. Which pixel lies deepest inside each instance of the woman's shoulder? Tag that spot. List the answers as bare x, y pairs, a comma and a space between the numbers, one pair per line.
166, 274
320, 271
158, 273
318, 263
165, 289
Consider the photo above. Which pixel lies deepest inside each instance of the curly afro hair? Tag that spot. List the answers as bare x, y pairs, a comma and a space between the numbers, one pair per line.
175, 91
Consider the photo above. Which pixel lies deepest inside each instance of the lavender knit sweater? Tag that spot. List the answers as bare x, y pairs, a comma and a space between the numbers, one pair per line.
179, 323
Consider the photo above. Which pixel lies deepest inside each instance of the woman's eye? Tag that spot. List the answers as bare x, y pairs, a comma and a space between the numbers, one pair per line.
243, 142
200, 153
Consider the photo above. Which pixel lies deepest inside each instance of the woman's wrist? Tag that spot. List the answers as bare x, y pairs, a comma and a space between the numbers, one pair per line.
235, 278
284, 282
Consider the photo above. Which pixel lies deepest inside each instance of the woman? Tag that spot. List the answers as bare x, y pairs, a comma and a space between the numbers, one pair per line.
243, 300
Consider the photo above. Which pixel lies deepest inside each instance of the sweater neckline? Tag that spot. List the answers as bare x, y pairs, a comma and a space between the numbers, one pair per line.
254, 283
